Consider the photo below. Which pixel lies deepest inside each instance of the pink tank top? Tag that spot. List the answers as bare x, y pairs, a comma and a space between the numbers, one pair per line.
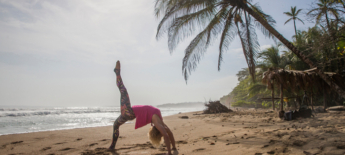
144, 113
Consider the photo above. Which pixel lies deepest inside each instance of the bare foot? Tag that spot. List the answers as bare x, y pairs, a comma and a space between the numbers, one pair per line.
111, 149
118, 66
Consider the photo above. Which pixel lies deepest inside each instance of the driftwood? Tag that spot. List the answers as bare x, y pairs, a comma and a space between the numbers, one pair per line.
216, 107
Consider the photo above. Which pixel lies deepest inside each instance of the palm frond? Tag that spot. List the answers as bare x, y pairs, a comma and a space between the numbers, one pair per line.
200, 43
256, 8
176, 8
300, 20
288, 21
184, 26
252, 45
288, 14
298, 12
227, 36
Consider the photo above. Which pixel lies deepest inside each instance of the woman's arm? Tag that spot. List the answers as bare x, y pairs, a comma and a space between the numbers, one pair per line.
161, 128
171, 137
165, 134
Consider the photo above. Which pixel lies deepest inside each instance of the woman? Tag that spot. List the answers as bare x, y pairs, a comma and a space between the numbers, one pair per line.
144, 115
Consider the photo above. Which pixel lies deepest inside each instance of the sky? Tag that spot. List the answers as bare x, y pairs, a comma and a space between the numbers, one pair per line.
63, 52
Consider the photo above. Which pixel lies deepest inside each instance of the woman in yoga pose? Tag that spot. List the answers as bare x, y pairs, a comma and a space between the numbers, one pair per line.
144, 115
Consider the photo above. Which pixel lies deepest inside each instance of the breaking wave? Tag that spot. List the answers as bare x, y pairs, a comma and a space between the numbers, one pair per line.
54, 111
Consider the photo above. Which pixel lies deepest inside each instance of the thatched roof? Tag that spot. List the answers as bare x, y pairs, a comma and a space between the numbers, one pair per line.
297, 80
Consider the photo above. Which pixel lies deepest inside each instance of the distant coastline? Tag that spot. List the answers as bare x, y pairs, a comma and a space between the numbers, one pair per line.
182, 105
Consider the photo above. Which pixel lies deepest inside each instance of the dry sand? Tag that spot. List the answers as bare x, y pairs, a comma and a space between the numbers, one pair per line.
252, 132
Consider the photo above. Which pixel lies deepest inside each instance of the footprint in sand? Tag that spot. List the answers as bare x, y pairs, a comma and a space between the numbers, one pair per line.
181, 142
299, 143
199, 149
101, 149
272, 141
93, 144
265, 146
250, 137
59, 143
16, 142
65, 149
340, 146
104, 140
271, 152
46, 148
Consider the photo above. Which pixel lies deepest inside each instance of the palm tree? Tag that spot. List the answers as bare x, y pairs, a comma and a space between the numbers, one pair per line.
325, 8
293, 14
230, 21
183, 17
340, 2
272, 58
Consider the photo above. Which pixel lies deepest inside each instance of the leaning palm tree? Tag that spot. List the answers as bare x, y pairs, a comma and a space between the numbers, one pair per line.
227, 22
293, 14
181, 18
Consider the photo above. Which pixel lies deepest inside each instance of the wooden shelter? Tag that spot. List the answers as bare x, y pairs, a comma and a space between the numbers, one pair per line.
306, 80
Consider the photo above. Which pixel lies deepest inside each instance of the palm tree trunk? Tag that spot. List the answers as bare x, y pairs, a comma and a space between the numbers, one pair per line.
311, 100
328, 26
289, 45
281, 98
294, 23
273, 96
324, 97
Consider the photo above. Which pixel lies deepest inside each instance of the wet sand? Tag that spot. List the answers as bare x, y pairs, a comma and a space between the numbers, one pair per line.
241, 132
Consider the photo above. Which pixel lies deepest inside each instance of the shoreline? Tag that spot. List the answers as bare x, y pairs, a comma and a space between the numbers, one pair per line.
19, 143
241, 132
128, 122
28, 120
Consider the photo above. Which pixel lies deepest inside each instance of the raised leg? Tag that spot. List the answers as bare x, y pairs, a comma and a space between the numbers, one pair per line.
126, 109
125, 102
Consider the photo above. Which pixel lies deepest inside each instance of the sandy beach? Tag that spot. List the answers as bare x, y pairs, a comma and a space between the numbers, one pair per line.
250, 131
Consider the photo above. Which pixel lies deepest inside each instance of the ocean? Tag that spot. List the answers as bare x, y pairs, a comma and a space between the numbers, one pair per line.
14, 120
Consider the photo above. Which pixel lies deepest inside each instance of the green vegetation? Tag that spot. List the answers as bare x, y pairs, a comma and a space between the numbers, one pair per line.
227, 19
322, 44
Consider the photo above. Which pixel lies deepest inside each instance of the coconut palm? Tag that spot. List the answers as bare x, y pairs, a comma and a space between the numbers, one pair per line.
272, 58
216, 19
293, 14
325, 8
340, 2
181, 18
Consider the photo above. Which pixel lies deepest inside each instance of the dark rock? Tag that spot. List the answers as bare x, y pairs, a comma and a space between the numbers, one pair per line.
184, 117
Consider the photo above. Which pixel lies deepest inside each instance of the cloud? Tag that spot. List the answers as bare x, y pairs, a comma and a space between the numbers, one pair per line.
64, 52
89, 30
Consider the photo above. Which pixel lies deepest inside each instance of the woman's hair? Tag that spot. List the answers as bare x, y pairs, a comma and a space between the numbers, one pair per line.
155, 136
